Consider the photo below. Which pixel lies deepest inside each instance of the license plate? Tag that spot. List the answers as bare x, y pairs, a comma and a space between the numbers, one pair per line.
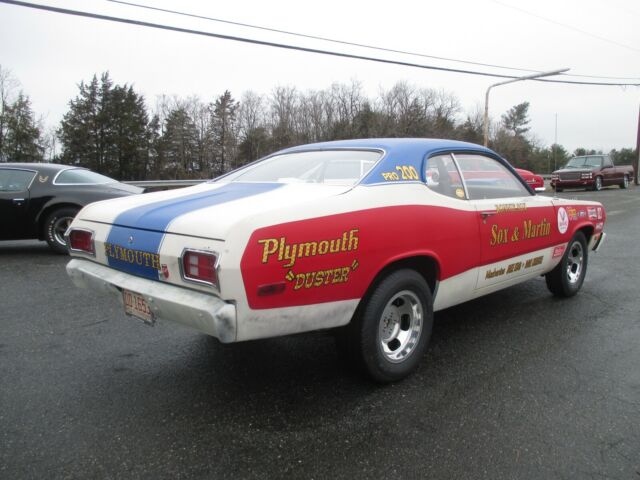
136, 306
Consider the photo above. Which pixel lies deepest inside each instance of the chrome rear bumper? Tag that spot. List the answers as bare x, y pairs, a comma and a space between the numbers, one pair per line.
206, 313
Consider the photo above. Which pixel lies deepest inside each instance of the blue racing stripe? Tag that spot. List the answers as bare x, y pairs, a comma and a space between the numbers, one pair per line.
158, 215
141, 229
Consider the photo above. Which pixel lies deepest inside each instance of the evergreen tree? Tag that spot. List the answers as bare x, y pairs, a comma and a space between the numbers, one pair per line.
179, 144
516, 119
223, 124
106, 130
22, 136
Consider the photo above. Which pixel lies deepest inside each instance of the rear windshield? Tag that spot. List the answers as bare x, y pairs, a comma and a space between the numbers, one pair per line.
335, 167
80, 176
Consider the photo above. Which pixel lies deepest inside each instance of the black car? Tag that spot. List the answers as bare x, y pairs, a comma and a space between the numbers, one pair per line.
39, 200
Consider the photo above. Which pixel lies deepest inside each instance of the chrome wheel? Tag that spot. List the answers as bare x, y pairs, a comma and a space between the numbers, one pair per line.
575, 262
59, 228
400, 326
598, 183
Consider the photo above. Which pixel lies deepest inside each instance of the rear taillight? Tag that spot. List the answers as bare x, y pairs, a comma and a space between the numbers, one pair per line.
81, 241
200, 266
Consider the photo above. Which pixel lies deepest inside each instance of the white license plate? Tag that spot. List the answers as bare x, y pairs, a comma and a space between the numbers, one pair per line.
137, 306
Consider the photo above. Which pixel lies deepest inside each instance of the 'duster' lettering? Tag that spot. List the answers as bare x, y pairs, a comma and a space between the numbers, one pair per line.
291, 252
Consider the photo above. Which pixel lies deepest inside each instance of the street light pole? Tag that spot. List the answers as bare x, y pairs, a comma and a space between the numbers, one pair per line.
518, 79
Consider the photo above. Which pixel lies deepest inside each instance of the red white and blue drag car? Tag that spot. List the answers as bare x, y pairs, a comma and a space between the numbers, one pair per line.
368, 237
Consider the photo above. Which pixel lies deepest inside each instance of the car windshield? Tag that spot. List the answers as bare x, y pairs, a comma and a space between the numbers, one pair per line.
80, 176
335, 167
580, 162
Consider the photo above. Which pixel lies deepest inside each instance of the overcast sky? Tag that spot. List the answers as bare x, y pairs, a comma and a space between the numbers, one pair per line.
50, 54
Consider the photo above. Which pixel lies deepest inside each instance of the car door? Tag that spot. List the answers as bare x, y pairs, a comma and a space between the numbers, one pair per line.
14, 202
515, 226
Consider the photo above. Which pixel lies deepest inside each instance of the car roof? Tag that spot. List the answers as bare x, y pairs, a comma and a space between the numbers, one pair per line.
41, 167
393, 146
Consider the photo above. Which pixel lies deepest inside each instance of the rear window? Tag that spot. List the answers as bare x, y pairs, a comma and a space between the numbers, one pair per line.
80, 176
15, 180
336, 167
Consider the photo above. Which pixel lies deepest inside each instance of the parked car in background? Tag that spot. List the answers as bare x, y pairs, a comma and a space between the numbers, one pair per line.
591, 172
39, 200
534, 181
368, 237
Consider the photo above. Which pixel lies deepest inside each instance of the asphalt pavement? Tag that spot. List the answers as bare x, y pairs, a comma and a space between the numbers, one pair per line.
517, 384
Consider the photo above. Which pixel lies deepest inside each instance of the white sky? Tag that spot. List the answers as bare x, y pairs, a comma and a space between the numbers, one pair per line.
50, 54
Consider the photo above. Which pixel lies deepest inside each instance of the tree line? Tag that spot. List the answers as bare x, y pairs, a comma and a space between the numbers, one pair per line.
111, 129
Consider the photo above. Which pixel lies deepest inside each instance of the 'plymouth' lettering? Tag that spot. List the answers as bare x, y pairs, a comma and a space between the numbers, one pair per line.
290, 252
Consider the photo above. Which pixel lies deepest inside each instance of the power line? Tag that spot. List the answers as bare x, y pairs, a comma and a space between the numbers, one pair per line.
570, 27
140, 23
344, 42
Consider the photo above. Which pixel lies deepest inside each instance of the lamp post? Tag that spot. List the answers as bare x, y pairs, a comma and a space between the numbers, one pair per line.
518, 79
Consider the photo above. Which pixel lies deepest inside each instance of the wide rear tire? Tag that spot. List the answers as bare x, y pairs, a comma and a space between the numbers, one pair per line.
567, 278
56, 225
390, 332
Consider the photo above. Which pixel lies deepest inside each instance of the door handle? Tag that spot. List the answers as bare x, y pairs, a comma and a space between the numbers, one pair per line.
486, 215
18, 201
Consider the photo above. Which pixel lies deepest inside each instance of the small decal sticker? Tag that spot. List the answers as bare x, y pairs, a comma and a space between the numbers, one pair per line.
459, 193
573, 213
599, 213
599, 226
563, 220
582, 214
165, 270
559, 251
592, 213
43, 179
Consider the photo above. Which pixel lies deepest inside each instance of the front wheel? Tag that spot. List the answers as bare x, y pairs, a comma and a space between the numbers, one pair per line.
390, 332
56, 225
597, 186
566, 279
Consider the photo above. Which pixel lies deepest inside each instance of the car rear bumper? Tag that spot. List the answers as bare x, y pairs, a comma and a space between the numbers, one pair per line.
204, 312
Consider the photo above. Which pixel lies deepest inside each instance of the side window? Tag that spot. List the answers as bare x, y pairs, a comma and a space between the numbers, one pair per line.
487, 178
15, 180
607, 162
442, 176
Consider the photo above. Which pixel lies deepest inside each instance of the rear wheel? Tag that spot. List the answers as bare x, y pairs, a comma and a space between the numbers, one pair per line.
56, 225
390, 332
566, 279
625, 182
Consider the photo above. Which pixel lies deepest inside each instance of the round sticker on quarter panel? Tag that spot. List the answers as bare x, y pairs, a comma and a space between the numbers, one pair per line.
563, 220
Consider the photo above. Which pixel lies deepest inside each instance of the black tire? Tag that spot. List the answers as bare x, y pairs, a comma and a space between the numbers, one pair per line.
566, 279
625, 182
55, 225
389, 347
597, 184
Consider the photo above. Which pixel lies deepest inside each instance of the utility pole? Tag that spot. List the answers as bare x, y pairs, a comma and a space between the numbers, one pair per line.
518, 79
555, 145
636, 164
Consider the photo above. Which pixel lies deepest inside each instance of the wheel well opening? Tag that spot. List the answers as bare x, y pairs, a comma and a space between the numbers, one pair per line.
47, 211
588, 232
425, 266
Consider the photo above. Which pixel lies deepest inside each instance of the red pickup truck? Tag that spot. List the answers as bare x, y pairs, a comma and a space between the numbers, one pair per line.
591, 171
